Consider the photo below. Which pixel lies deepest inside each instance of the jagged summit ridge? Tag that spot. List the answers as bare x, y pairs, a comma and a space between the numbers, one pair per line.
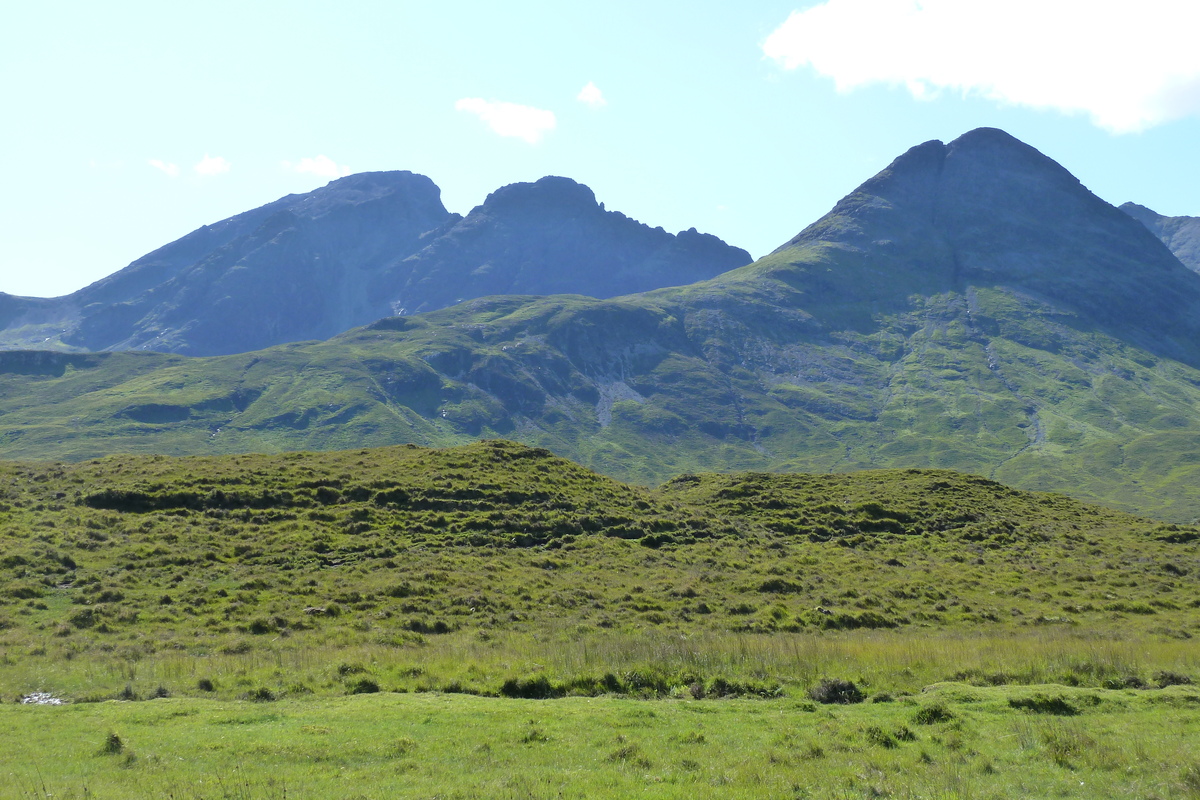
362, 247
552, 237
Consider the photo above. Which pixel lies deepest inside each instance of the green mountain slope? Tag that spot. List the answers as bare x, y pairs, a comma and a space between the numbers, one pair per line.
972, 307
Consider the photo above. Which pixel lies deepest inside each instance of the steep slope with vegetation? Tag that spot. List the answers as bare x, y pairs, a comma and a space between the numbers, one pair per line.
972, 307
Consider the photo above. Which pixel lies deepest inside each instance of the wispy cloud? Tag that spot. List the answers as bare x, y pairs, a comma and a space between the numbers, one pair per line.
1127, 66
592, 96
322, 165
211, 165
172, 170
510, 119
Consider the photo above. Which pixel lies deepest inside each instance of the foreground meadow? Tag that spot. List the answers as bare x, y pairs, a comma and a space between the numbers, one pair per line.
950, 741
492, 621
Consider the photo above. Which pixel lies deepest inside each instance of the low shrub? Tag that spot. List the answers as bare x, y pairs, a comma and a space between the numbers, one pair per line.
364, 686
933, 714
879, 737
533, 735
112, 745
836, 691
630, 754
1165, 679
536, 688
1044, 704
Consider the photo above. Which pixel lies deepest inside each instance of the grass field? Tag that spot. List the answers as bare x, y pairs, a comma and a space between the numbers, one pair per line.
493, 621
950, 741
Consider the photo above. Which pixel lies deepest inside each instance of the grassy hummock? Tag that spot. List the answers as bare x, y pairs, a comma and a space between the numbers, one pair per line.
400, 612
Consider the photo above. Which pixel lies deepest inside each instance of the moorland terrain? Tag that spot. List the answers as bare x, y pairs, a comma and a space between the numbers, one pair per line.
247, 575
269, 593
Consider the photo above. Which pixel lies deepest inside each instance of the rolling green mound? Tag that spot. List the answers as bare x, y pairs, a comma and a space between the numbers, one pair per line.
972, 307
145, 555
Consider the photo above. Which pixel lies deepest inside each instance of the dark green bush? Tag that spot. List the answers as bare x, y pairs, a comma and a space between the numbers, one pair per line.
1165, 679
364, 686
1044, 704
932, 714
836, 691
536, 688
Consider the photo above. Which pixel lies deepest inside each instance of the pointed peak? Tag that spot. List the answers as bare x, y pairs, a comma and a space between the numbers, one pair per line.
995, 151
375, 183
378, 183
1146, 216
987, 137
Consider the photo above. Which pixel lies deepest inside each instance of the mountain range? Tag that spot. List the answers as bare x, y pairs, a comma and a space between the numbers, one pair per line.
972, 307
366, 246
1180, 234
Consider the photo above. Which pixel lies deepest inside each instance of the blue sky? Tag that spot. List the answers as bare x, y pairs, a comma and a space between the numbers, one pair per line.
126, 125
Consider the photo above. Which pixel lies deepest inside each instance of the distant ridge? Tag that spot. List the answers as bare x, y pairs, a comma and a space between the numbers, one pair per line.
1180, 234
363, 247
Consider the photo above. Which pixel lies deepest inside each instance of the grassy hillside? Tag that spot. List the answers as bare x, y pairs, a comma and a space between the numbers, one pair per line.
502, 549
985, 381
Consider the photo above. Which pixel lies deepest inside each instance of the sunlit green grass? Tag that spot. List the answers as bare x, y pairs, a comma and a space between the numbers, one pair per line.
953, 741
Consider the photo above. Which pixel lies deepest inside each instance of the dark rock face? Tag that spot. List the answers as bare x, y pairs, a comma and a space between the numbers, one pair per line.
361, 248
1181, 235
551, 237
289, 271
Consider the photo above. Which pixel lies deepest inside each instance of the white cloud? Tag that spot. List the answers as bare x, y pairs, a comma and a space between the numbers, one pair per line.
212, 165
1127, 66
323, 166
592, 96
172, 170
510, 119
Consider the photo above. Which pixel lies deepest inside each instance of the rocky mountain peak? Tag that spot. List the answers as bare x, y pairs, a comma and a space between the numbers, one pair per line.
551, 194
400, 188
552, 237
361, 247
989, 210
1180, 234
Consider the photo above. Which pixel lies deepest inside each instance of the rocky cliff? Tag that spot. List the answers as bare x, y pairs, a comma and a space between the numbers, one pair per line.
365, 246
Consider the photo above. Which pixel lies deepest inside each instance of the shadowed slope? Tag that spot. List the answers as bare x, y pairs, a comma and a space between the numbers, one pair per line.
364, 247
1180, 234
